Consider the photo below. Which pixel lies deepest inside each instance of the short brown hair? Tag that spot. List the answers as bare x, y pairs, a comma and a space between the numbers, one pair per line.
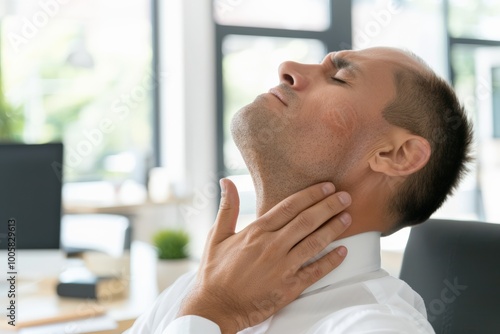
427, 106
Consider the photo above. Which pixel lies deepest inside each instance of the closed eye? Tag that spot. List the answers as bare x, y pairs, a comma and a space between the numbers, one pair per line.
339, 80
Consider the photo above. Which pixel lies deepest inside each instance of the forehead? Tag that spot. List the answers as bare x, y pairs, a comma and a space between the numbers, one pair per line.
379, 59
381, 55
376, 69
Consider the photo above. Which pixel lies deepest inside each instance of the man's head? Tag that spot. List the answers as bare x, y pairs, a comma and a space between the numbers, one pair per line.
428, 107
376, 122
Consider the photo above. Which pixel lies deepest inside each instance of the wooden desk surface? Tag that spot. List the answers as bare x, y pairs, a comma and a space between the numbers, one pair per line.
38, 300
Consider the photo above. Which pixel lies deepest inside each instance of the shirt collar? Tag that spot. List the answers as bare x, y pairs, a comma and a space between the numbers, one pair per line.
363, 256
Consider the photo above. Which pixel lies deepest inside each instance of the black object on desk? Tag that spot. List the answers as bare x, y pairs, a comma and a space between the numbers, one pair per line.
80, 283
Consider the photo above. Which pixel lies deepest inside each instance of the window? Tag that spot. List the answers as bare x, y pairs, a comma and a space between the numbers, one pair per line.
281, 14
80, 72
474, 19
252, 40
474, 53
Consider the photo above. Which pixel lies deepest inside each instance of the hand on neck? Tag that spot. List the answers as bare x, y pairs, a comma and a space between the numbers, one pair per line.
367, 210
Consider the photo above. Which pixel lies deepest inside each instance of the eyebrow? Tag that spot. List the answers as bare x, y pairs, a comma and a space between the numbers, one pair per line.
342, 63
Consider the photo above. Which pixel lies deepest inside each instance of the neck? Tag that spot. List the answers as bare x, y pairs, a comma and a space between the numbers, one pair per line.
366, 210
270, 192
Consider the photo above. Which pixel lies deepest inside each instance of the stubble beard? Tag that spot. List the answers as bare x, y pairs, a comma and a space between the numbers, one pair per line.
255, 138
265, 139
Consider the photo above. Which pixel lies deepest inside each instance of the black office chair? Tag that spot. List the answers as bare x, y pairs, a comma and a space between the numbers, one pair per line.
455, 267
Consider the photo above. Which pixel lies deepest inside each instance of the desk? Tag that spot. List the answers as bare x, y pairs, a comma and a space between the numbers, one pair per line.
38, 300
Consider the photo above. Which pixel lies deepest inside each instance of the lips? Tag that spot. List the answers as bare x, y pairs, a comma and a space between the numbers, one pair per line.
275, 91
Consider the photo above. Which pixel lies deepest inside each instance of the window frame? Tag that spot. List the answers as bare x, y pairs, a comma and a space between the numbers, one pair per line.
156, 100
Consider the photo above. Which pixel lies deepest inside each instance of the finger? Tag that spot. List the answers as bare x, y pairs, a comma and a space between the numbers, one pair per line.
229, 208
315, 271
291, 206
312, 218
319, 240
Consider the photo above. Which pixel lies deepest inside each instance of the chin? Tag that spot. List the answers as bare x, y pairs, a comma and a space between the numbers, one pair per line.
252, 126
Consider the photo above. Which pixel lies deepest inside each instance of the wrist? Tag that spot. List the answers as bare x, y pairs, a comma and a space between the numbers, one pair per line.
213, 310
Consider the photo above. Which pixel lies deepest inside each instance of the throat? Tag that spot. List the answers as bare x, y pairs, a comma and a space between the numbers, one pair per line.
268, 197
270, 192
366, 211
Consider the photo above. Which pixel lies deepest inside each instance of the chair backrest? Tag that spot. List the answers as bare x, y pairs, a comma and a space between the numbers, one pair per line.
455, 267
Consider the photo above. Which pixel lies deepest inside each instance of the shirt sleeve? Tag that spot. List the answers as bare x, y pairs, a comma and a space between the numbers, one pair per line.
192, 324
164, 311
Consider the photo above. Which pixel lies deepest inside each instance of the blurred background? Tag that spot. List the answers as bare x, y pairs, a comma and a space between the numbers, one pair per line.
141, 92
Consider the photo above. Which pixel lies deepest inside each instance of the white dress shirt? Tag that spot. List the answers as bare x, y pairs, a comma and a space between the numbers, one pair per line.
356, 297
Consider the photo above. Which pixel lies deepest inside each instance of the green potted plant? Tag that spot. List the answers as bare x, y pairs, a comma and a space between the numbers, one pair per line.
173, 256
171, 244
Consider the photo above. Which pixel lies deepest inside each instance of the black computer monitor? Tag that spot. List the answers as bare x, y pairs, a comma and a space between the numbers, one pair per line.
30, 193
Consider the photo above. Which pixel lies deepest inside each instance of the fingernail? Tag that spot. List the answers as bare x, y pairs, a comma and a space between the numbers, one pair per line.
328, 188
342, 251
344, 198
345, 218
222, 187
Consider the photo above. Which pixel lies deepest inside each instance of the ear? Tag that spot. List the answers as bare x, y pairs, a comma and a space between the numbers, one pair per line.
403, 155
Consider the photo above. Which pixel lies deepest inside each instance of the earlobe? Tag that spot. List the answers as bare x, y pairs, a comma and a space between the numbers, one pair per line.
407, 157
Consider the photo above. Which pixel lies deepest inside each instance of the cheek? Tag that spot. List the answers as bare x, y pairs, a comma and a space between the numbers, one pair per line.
342, 118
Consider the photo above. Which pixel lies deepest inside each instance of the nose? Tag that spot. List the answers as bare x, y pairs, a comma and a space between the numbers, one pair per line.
293, 74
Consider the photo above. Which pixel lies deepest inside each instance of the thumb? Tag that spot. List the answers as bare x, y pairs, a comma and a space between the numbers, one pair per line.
229, 208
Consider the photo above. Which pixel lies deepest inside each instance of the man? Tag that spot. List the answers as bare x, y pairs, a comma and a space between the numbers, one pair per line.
380, 126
